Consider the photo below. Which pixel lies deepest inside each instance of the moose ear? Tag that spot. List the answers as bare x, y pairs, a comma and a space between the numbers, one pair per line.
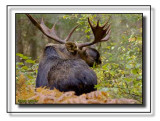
71, 47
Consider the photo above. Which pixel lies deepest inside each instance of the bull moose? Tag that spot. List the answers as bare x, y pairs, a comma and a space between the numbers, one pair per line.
66, 66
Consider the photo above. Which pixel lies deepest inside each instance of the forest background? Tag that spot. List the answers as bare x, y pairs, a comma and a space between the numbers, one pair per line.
120, 73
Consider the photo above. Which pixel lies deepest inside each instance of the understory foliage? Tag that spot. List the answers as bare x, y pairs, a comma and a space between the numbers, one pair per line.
27, 94
119, 75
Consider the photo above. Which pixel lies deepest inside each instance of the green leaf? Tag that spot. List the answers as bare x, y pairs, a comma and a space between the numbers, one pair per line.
25, 67
134, 71
104, 67
19, 54
127, 79
30, 77
87, 36
19, 63
25, 57
30, 61
22, 56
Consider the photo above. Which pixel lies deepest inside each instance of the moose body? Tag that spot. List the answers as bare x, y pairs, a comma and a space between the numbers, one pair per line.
65, 74
66, 66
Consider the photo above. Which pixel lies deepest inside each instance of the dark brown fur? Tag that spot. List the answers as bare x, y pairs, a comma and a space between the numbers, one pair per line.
65, 71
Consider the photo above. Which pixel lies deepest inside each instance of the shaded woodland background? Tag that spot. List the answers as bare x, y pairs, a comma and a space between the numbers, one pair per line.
120, 74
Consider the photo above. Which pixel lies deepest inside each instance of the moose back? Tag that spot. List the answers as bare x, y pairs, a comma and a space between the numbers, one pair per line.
66, 66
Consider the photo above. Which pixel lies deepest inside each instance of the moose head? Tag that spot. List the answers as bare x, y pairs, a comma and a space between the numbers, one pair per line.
65, 66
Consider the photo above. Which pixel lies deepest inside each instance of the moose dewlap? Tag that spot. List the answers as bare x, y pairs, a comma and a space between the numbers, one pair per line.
66, 66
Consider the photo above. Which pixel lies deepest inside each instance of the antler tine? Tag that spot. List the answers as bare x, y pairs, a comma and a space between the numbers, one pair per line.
70, 34
107, 27
33, 21
45, 30
101, 33
51, 33
106, 22
90, 23
97, 23
107, 36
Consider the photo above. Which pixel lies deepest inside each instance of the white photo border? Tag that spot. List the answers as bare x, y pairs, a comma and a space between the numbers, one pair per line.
12, 107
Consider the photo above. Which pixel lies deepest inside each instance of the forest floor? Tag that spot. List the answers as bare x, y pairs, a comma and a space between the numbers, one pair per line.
27, 94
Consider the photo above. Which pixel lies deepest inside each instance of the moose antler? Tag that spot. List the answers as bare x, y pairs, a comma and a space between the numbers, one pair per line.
51, 33
101, 33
